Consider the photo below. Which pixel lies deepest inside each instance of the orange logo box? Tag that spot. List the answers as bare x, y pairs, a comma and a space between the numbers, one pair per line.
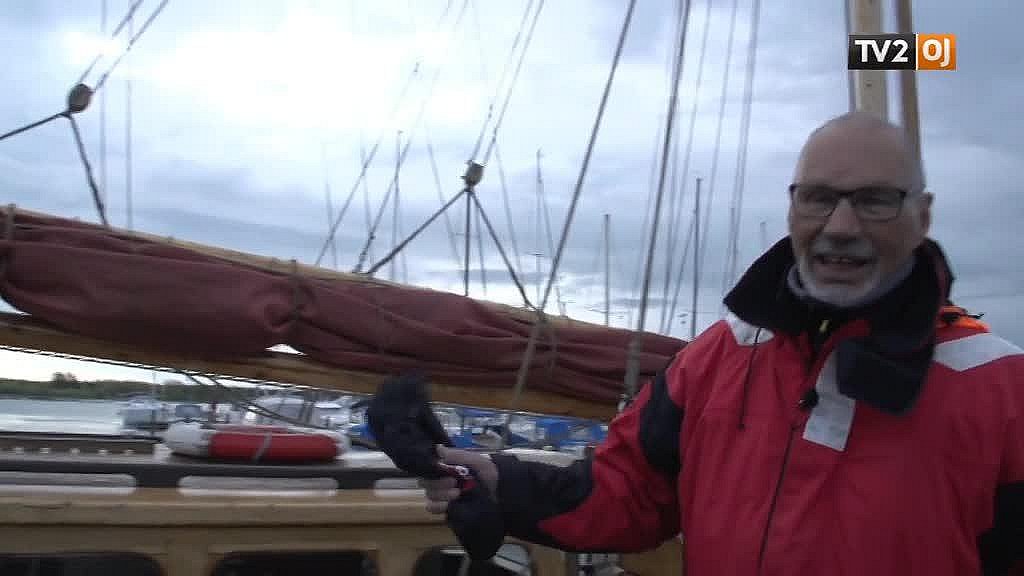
936, 51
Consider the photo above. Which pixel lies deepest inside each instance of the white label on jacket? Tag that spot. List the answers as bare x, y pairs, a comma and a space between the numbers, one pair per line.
746, 334
830, 421
973, 351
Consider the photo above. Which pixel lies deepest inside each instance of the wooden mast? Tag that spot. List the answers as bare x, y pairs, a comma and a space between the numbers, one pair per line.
908, 82
869, 86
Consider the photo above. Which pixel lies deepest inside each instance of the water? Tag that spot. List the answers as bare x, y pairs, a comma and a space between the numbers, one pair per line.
70, 416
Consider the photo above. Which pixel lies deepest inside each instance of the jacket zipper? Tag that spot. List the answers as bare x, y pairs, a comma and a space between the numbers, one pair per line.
775, 501
811, 360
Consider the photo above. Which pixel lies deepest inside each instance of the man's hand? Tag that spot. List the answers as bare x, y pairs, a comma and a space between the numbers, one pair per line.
444, 490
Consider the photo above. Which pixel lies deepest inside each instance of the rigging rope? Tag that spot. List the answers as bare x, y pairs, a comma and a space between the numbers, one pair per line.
480, 43
103, 110
679, 276
78, 100
718, 139
473, 167
483, 128
366, 193
135, 37
687, 153
440, 196
531, 345
547, 227
677, 195
396, 223
368, 159
512, 84
96, 198
36, 124
114, 34
128, 161
741, 160
490, 111
633, 362
480, 252
405, 149
468, 190
501, 251
508, 209
80, 88
501, 82
398, 248
652, 178
329, 200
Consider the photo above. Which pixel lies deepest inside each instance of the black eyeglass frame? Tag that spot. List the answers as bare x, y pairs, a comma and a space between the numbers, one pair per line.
851, 196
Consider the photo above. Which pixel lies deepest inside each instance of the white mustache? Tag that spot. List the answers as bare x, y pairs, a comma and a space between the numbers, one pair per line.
856, 250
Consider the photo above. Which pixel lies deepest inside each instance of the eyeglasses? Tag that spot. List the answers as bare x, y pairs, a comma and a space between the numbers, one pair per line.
873, 203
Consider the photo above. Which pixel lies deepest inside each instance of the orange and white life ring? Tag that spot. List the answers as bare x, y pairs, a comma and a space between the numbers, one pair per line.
254, 443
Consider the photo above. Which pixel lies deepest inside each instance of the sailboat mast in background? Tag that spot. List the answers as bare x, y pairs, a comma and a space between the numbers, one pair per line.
607, 268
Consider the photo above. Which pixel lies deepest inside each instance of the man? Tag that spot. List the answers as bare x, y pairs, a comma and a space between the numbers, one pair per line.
844, 419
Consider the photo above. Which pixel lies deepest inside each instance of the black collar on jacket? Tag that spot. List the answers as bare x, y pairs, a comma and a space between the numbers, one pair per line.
887, 367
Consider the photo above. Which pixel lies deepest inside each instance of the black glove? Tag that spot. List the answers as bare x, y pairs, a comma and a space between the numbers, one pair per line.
407, 430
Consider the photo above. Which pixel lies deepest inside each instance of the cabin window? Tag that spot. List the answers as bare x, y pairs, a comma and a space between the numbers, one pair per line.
511, 559
99, 564
290, 563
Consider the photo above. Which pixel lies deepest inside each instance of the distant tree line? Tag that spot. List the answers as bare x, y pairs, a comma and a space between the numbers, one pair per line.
64, 385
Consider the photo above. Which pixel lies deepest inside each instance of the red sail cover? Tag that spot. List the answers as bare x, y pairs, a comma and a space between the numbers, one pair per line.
100, 283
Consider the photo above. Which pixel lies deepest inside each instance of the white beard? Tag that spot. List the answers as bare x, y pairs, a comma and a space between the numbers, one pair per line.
838, 295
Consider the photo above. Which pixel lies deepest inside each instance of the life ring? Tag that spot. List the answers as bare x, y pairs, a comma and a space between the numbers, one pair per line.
247, 443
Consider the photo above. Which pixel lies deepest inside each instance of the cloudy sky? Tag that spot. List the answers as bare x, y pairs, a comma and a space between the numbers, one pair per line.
242, 112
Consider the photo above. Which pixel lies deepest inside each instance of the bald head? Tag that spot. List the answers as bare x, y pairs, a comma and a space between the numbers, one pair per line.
869, 146
848, 247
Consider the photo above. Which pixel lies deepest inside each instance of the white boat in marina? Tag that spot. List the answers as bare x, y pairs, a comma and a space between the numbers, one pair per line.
145, 413
321, 413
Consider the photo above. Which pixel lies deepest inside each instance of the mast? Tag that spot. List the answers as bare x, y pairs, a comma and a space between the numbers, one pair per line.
329, 205
607, 269
734, 240
394, 207
635, 344
103, 113
547, 227
696, 261
480, 252
128, 177
869, 91
537, 225
466, 246
908, 82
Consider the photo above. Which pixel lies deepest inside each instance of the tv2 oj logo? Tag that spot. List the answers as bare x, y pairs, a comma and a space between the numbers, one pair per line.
902, 52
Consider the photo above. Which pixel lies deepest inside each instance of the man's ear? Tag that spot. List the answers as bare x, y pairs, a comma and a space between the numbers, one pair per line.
924, 207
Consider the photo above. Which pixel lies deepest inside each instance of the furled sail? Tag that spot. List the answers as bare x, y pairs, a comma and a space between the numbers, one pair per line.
147, 292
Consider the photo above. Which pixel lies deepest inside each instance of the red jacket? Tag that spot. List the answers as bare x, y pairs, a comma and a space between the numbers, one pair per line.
787, 440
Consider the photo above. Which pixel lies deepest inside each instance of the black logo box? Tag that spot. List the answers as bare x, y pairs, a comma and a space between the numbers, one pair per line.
862, 55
